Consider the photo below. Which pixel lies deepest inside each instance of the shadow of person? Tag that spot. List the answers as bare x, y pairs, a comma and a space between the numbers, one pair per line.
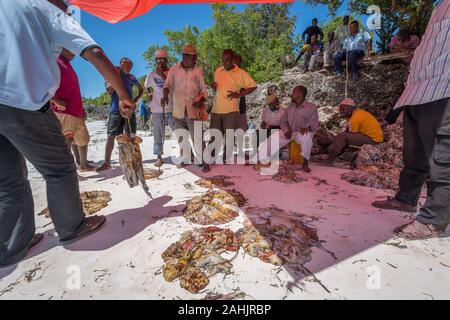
119, 226
166, 160
107, 174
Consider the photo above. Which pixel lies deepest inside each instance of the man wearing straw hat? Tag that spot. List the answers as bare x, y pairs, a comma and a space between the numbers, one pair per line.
186, 85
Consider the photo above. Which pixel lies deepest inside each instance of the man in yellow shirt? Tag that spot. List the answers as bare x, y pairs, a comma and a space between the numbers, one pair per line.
362, 129
231, 83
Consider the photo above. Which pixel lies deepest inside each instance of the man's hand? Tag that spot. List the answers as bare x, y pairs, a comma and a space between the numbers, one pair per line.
214, 86
126, 108
288, 134
59, 103
197, 104
61, 106
305, 131
200, 103
263, 125
233, 95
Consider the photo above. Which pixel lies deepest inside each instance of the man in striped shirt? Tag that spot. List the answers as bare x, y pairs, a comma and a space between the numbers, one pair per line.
426, 130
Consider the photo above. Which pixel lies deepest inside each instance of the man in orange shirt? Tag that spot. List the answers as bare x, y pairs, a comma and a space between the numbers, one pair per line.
231, 83
362, 129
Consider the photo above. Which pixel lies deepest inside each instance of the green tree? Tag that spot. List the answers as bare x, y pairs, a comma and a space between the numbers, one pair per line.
411, 14
333, 24
149, 55
261, 34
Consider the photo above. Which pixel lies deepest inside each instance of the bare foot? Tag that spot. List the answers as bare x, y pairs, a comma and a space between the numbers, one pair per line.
103, 167
306, 169
159, 162
87, 168
91, 224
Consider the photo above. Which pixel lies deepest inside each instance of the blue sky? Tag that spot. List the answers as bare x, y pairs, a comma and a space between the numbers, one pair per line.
132, 38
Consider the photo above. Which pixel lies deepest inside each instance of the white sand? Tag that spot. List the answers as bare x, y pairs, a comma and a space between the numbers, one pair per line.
122, 261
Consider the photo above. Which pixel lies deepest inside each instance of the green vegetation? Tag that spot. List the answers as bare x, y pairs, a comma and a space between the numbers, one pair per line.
264, 35
261, 34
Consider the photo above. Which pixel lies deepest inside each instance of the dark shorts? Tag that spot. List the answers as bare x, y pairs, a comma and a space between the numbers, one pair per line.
117, 124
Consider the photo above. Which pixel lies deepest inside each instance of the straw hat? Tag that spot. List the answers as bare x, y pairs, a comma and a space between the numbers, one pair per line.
189, 49
271, 98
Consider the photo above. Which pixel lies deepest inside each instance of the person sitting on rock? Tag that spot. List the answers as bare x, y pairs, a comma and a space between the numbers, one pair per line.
272, 115
362, 129
313, 55
332, 48
404, 42
353, 47
313, 30
299, 123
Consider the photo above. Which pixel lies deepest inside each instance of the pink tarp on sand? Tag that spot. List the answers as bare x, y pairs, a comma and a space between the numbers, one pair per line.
115, 11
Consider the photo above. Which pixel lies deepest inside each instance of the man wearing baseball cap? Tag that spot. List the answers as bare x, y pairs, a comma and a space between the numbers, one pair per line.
362, 129
154, 84
186, 85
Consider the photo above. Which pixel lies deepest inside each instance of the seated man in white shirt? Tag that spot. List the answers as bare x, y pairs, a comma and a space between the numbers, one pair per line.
272, 115
299, 123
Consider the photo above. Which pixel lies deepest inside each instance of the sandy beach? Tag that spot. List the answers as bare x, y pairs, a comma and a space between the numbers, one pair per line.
123, 260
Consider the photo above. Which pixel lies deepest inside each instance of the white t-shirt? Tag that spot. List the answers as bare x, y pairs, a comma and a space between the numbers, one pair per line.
32, 34
272, 118
156, 82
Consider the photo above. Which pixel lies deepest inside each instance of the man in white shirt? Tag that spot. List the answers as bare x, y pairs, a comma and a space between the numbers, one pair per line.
33, 33
154, 84
272, 116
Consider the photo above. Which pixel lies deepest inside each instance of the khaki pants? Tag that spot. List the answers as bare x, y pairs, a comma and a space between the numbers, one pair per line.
74, 127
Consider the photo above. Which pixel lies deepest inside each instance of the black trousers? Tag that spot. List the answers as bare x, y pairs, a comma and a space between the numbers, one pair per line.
36, 136
426, 156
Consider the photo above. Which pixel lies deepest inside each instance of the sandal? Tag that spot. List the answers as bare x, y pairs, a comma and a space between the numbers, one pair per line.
393, 204
36, 239
88, 168
103, 167
91, 224
418, 231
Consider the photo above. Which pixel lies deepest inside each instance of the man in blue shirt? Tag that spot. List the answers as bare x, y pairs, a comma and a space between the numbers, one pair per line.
143, 112
33, 33
117, 124
354, 46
